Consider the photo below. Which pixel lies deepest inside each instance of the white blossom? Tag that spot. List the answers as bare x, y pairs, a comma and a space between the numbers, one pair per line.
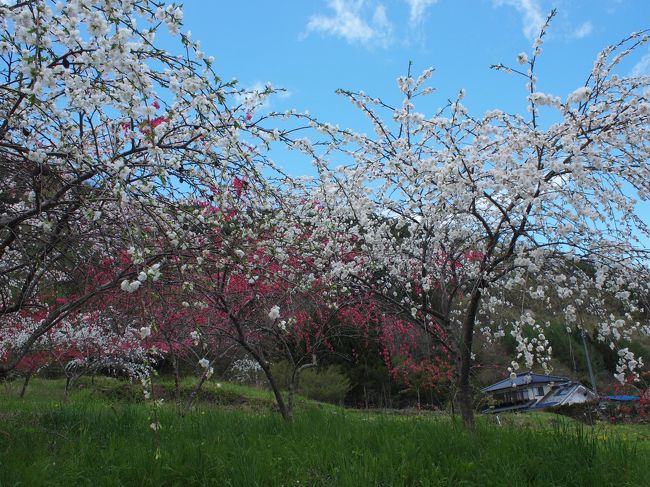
274, 314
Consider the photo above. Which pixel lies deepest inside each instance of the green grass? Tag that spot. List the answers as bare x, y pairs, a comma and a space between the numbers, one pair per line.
96, 438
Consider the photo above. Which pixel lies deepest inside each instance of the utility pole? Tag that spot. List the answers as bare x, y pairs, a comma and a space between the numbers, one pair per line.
591, 372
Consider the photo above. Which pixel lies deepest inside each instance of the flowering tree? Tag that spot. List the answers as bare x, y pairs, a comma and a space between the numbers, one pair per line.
83, 343
99, 342
412, 359
178, 327
446, 217
251, 287
104, 138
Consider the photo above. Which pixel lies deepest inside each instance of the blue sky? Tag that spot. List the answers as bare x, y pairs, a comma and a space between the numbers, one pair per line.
313, 47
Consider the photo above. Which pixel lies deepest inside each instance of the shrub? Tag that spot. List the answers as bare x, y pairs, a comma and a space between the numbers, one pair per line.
327, 384
586, 412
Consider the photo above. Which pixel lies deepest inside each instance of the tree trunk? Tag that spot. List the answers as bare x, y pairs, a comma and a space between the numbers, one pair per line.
465, 404
293, 383
177, 384
259, 358
22, 391
194, 393
276, 391
290, 393
465, 399
68, 382
389, 395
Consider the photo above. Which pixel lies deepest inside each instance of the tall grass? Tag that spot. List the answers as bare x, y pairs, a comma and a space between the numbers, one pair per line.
92, 441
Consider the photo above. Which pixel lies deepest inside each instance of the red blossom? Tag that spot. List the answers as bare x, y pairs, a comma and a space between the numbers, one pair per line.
157, 121
239, 185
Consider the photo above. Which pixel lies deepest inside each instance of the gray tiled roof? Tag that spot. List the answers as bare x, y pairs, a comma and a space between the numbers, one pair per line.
523, 379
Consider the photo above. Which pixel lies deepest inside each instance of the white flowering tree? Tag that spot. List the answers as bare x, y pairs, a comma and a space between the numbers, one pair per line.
446, 217
105, 138
250, 286
81, 344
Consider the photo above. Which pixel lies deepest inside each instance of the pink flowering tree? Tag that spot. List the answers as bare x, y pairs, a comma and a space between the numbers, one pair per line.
446, 217
104, 138
413, 361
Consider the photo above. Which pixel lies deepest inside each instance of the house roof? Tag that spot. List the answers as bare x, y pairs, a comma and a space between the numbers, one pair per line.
524, 379
621, 398
558, 396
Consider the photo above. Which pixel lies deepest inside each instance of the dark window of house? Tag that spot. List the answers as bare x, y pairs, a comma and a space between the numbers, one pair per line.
540, 391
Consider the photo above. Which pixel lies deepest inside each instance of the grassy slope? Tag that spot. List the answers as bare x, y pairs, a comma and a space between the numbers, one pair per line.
100, 438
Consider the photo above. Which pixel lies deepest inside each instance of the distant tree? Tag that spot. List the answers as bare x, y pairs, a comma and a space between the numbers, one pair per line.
84, 343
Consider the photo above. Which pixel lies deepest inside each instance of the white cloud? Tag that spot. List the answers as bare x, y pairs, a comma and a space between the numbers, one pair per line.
583, 30
531, 15
417, 9
381, 22
349, 24
643, 66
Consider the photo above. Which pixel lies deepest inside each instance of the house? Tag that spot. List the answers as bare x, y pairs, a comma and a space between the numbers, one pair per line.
570, 393
527, 391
